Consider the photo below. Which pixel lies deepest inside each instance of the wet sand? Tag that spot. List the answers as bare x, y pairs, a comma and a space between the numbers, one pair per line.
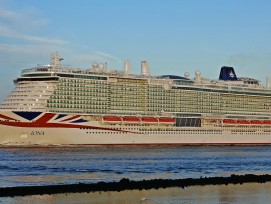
211, 194
126, 184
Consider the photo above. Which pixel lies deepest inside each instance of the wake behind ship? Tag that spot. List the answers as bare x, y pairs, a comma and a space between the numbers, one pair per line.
55, 105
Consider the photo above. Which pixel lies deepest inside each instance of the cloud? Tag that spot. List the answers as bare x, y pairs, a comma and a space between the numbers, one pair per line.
22, 25
28, 55
8, 15
22, 41
18, 56
25, 49
42, 39
84, 60
27, 19
14, 34
107, 56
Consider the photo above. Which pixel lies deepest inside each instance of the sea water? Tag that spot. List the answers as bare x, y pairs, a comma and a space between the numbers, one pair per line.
90, 164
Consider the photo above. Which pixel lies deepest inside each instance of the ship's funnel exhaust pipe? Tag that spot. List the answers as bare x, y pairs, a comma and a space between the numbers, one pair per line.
145, 69
127, 67
267, 83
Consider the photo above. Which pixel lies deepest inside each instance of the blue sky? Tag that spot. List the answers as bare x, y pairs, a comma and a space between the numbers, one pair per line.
174, 36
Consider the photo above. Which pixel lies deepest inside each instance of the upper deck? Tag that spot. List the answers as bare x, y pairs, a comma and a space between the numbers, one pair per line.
100, 72
100, 90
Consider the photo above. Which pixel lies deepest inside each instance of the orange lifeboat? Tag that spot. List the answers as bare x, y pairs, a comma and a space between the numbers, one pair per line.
167, 120
112, 119
149, 120
131, 119
243, 122
267, 122
256, 122
229, 121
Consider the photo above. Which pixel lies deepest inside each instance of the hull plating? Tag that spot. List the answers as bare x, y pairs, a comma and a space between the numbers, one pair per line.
56, 129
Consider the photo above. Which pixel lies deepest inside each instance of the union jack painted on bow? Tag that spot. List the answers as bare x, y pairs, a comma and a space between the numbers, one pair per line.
40, 119
48, 120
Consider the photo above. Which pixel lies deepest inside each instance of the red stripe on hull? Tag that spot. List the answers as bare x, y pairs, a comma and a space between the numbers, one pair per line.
6, 117
56, 125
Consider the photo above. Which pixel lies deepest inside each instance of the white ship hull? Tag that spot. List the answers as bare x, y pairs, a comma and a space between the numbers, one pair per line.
49, 129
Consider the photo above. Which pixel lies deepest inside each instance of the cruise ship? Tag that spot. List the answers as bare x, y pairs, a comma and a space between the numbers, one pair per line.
57, 105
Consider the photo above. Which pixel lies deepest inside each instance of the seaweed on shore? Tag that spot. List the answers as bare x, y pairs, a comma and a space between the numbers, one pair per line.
126, 184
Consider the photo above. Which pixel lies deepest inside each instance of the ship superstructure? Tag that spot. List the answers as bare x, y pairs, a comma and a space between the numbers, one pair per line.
52, 104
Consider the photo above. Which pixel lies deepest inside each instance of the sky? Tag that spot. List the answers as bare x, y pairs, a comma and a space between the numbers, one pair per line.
174, 36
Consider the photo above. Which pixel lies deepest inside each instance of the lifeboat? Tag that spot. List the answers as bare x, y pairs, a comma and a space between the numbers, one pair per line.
131, 119
149, 120
167, 121
229, 121
243, 122
112, 119
212, 121
256, 122
266, 122
236, 122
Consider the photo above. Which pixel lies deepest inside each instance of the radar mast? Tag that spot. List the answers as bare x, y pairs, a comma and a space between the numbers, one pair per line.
56, 60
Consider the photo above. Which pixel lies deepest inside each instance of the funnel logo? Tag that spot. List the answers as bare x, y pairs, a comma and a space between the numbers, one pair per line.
231, 74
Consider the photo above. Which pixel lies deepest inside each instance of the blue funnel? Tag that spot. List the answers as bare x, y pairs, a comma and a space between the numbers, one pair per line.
228, 74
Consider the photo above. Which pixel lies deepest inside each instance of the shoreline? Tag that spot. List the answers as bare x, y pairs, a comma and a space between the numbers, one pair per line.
126, 184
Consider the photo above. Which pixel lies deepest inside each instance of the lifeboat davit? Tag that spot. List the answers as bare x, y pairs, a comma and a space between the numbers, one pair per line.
149, 120
131, 119
112, 119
